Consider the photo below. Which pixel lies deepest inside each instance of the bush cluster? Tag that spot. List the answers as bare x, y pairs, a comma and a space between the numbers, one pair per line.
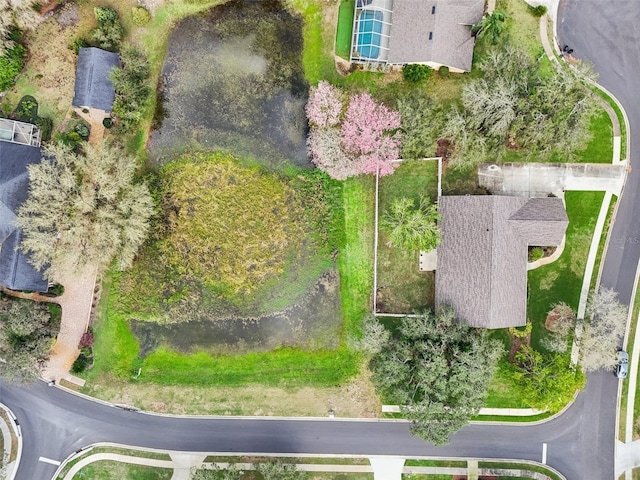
414, 72
140, 16
131, 83
108, 34
11, 64
538, 11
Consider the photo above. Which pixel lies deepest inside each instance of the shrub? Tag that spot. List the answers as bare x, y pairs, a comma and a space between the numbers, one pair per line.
140, 16
443, 72
107, 122
71, 139
108, 34
27, 109
86, 341
45, 124
11, 65
77, 44
414, 72
82, 129
538, 11
81, 364
535, 253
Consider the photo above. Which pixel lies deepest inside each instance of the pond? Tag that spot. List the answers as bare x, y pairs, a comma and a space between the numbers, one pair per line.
233, 80
312, 322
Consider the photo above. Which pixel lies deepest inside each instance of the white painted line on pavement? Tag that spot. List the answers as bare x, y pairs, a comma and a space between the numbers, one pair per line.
544, 453
48, 460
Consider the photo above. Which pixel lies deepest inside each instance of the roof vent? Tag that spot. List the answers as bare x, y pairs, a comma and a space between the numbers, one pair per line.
430, 35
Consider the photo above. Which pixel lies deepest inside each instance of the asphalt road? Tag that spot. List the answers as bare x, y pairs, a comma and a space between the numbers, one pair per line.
55, 424
580, 442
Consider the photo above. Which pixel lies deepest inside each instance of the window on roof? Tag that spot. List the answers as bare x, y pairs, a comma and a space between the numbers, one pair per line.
433, 10
430, 35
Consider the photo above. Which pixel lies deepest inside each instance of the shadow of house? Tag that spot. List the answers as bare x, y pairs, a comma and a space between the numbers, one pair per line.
93, 91
16, 273
482, 260
429, 32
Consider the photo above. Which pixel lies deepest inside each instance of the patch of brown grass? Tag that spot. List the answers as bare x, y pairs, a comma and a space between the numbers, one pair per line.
355, 399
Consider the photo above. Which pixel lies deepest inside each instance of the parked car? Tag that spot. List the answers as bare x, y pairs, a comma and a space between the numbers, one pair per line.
623, 365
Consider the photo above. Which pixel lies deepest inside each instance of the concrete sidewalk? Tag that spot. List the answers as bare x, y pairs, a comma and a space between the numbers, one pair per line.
383, 467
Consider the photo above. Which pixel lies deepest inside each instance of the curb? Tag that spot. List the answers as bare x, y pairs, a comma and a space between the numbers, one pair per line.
15, 426
294, 455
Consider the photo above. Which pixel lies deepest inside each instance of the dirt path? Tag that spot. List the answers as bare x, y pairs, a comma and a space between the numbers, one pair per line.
76, 305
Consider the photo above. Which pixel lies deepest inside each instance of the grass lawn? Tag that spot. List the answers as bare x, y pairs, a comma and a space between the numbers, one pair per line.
561, 281
356, 261
344, 28
600, 147
110, 470
504, 392
402, 288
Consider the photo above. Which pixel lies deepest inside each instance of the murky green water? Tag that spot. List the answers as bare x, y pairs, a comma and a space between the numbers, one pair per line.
233, 80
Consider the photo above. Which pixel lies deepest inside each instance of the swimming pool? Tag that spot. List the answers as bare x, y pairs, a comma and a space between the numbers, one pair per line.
369, 29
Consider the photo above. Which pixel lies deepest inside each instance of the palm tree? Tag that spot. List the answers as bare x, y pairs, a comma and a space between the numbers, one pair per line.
490, 26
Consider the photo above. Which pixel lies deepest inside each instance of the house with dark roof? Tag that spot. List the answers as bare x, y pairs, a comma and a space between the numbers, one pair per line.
430, 32
16, 273
93, 90
482, 259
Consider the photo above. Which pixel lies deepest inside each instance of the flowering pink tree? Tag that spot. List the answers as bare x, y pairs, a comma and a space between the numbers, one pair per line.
325, 105
367, 141
370, 134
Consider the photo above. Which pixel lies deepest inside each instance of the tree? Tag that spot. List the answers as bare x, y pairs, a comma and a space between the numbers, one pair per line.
422, 124
370, 134
439, 369
131, 84
325, 105
374, 336
518, 110
108, 34
84, 209
217, 473
25, 338
547, 383
603, 328
560, 322
326, 152
410, 227
363, 140
490, 26
16, 15
278, 470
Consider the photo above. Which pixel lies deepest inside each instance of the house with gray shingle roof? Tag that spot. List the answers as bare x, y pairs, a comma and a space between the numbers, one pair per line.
16, 273
431, 32
93, 90
482, 259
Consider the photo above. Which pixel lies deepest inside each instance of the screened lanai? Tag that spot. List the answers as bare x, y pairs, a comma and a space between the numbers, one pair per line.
371, 31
